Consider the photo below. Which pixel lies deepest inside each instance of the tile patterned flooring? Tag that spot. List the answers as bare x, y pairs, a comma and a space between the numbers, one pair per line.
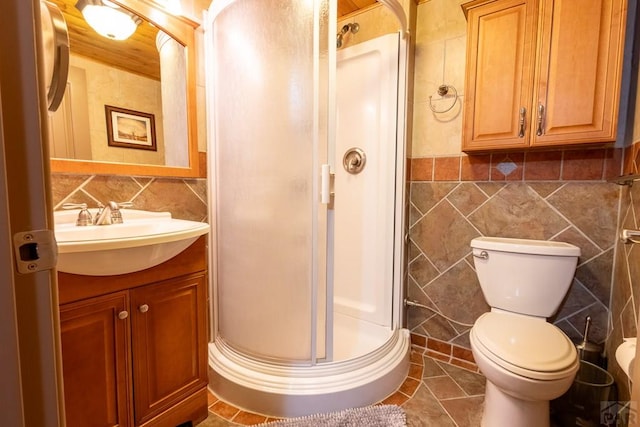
435, 393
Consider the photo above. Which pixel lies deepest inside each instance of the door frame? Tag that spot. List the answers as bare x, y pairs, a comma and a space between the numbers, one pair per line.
32, 376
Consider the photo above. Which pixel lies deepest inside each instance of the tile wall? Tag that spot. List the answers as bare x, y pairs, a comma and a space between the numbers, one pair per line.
184, 198
625, 297
455, 199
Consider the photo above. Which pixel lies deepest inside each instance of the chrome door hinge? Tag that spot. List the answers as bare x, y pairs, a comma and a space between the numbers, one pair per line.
35, 250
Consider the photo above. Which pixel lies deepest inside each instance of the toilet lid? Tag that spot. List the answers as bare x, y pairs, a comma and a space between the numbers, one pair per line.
526, 343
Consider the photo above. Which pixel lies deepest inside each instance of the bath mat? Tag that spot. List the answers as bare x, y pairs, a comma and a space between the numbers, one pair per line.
369, 416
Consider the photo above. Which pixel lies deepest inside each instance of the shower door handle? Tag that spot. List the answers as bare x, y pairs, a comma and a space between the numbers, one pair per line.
325, 184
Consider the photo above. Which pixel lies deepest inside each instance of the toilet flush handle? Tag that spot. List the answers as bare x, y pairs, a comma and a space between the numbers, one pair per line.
482, 255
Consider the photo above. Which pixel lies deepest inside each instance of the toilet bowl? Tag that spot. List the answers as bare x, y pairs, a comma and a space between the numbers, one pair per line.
526, 360
527, 363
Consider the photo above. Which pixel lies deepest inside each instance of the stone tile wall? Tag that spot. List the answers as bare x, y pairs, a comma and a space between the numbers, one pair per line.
625, 296
446, 213
184, 198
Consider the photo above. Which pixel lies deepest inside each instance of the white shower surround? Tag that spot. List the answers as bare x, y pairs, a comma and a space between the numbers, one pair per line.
293, 390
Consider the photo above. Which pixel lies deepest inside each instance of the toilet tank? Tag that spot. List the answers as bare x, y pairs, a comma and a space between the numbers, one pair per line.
524, 276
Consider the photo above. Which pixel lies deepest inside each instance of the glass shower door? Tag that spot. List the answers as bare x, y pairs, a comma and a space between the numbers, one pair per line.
270, 131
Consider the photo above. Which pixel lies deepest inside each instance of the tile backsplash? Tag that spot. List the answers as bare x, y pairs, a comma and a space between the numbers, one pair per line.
184, 198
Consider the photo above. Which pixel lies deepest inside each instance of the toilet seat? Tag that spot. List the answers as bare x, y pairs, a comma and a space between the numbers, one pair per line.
514, 342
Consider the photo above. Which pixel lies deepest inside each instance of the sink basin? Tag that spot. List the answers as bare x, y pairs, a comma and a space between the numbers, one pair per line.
144, 239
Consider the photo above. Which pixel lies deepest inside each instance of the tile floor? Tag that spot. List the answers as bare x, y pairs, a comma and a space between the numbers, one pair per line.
435, 393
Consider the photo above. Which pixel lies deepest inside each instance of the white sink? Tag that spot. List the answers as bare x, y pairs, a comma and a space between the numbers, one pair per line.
144, 239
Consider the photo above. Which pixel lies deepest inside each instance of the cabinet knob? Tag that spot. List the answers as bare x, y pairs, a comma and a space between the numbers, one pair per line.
123, 315
143, 308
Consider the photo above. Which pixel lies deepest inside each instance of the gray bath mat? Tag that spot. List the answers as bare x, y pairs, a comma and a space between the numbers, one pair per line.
369, 416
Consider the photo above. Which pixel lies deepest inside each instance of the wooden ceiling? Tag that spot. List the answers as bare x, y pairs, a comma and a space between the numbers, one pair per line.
346, 7
137, 54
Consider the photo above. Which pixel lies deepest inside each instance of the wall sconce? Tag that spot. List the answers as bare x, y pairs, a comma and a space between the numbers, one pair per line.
108, 19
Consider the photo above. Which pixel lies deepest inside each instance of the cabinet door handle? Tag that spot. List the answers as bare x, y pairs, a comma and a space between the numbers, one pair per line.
540, 119
523, 116
123, 315
143, 308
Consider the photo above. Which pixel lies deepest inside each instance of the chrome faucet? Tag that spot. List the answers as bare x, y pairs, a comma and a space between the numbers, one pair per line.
110, 214
84, 216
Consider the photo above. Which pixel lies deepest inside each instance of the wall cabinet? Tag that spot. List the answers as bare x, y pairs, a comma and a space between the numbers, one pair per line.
134, 348
542, 73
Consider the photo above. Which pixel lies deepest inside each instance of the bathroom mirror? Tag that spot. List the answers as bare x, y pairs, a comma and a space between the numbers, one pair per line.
124, 82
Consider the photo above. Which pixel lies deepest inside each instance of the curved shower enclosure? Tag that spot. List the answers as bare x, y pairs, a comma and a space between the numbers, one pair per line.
307, 188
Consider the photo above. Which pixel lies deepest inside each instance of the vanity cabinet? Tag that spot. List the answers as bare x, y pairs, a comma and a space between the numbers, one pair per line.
542, 73
134, 345
168, 326
95, 345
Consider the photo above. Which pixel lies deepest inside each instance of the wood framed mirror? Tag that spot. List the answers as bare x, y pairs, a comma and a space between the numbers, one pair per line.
130, 59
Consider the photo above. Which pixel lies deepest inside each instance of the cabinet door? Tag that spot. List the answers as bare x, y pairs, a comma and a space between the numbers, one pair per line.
499, 78
95, 359
169, 342
579, 72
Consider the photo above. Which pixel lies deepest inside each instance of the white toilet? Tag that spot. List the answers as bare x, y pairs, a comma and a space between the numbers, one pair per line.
526, 360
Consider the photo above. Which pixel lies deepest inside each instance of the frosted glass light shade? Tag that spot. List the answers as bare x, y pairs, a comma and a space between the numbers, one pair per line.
110, 22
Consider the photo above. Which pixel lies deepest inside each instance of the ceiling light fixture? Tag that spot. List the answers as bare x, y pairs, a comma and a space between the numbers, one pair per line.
108, 19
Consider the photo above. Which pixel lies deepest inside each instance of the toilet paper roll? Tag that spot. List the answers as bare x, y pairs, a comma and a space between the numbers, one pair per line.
625, 353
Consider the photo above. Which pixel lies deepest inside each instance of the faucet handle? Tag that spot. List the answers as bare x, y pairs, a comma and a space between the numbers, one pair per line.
74, 206
84, 216
116, 215
114, 206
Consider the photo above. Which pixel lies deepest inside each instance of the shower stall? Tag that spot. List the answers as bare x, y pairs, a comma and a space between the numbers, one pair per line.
307, 184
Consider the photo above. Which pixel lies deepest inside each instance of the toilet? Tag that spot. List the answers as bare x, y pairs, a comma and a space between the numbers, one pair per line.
526, 360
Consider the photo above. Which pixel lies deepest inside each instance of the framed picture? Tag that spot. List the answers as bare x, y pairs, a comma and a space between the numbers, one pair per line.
130, 129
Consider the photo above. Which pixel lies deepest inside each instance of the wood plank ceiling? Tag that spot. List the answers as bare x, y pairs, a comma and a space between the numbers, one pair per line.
137, 54
346, 7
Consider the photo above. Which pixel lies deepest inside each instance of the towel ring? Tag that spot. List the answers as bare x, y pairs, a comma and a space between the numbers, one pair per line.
444, 92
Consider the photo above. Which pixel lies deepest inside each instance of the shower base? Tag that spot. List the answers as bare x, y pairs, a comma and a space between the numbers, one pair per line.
280, 390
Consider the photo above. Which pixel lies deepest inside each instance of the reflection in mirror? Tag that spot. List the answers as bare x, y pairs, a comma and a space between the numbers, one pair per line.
117, 90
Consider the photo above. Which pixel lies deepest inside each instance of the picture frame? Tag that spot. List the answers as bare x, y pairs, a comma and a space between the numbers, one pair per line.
130, 129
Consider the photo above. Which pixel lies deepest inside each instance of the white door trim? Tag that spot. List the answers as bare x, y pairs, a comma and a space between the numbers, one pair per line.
32, 333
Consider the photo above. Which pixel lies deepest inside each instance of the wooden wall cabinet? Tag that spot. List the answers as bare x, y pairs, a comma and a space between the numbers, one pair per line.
542, 73
134, 346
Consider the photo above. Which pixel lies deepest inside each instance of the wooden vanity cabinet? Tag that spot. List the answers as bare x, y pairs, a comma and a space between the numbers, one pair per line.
168, 327
134, 346
542, 73
95, 362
